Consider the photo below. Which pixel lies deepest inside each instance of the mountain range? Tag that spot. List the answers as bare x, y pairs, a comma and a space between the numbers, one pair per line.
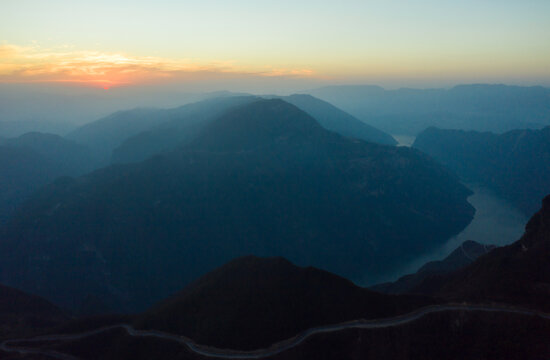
515, 165
32, 160
250, 227
480, 107
135, 135
175, 128
264, 178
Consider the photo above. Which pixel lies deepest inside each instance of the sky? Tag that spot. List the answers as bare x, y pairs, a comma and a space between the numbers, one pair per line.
393, 43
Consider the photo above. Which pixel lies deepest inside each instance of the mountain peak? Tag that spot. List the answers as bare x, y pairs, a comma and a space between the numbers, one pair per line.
253, 302
259, 124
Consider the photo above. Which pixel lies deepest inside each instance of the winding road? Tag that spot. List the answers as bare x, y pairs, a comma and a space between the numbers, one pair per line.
9, 345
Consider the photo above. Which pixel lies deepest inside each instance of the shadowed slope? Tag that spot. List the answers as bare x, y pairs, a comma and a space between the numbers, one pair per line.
175, 128
33, 160
264, 179
251, 303
184, 128
468, 252
334, 119
515, 274
23, 314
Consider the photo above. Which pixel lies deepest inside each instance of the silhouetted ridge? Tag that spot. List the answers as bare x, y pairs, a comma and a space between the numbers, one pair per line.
480, 107
174, 128
181, 126
23, 314
105, 134
252, 302
32, 160
72, 158
464, 255
260, 124
334, 119
514, 274
537, 229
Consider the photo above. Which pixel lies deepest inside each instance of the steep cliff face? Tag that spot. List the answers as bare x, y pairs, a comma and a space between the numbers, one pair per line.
515, 274
464, 255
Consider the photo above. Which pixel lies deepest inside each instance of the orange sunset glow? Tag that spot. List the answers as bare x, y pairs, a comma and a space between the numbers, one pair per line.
106, 70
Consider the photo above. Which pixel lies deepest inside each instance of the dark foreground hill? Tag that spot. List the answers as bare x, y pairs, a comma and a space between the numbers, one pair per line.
251, 303
33, 160
448, 335
185, 124
262, 299
264, 179
514, 274
24, 314
250, 292
468, 252
516, 164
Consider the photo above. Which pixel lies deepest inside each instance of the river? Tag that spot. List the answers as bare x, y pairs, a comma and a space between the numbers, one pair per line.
495, 222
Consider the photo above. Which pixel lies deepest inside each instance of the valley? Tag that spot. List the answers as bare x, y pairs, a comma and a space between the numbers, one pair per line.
244, 226
495, 222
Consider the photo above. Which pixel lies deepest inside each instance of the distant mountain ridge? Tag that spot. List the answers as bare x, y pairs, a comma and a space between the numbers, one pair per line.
337, 120
176, 128
515, 164
184, 128
76, 158
481, 107
10, 129
264, 179
252, 128
33, 160
102, 136
105, 134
